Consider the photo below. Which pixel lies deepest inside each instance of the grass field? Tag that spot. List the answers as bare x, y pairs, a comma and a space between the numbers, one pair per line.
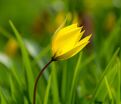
93, 76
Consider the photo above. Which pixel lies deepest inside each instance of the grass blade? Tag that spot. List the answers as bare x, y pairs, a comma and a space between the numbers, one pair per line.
64, 80
109, 89
118, 89
26, 60
74, 80
55, 85
104, 74
47, 91
25, 100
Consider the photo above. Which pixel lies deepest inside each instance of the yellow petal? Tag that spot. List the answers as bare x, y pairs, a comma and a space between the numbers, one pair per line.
68, 28
55, 36
71, 43
79, 36
66, 42
72, 52
84, 40
62, 31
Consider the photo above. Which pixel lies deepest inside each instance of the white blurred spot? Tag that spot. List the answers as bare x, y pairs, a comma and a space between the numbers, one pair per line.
5, 60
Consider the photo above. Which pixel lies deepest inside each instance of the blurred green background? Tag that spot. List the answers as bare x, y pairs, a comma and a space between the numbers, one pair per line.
91, 77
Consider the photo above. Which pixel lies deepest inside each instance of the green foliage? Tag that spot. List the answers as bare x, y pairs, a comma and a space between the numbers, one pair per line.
91, 77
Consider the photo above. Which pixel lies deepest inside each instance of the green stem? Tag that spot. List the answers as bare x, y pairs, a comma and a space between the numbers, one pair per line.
37, 79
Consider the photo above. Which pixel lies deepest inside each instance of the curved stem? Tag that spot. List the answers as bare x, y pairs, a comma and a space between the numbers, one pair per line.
37, 79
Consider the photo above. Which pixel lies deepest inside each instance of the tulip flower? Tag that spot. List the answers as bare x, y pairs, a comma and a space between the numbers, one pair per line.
66, 42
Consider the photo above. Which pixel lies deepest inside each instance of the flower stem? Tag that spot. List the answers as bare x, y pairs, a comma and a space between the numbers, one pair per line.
37, 79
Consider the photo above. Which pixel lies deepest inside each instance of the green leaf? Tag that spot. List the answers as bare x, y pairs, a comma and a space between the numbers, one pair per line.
25, 101
47, 91
13, 89
108, 89
26, 60
74, 80
2, 98
118, 81
107, 69
54, 84
64, 82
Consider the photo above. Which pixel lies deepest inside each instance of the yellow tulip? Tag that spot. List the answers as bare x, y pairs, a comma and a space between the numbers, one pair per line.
67, 42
